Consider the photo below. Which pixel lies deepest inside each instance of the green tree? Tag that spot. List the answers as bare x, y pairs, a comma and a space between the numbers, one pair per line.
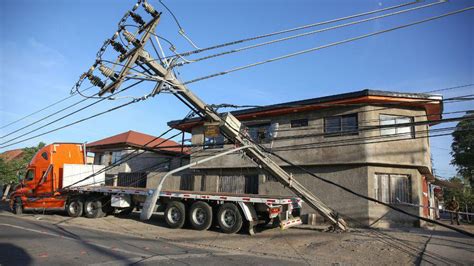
9, 170
463, 149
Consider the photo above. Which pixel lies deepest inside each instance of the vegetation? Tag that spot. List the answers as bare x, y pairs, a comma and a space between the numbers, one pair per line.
10, 170
463, 196
463, 158
463, 150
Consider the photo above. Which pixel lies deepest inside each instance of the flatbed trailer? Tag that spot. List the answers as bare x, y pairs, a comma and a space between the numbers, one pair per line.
58, 179
229, 211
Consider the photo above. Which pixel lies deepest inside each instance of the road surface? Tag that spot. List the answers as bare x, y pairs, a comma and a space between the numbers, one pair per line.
24, 242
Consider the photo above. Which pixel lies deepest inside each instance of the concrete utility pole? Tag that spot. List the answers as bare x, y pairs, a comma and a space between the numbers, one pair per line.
228, 124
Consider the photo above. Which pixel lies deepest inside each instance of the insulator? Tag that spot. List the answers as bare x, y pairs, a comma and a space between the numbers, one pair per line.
96, 81
106, 71
118, 47
129, 36
150, 9
137, 18
135, 7
91, 69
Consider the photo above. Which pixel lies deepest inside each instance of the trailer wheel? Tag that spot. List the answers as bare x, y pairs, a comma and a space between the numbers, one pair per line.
175, 214
75, 208
18, 206
93, 208
200, 215
229, 218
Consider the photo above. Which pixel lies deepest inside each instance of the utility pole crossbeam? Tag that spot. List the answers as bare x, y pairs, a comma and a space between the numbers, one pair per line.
230, 126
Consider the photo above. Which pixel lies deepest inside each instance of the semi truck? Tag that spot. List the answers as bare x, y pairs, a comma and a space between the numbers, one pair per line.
58, 179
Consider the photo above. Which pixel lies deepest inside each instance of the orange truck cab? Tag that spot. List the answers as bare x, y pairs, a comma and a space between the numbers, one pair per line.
40, 187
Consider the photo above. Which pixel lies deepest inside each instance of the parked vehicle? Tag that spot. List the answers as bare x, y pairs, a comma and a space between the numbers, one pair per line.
57, 178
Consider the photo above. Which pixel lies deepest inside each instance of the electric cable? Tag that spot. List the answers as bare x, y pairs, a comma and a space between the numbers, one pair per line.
42, 109
326, 46
75, 122
297, 28
307, 33
44, 118
65, 116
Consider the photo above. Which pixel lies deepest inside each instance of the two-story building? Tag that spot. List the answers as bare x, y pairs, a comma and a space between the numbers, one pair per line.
344, 138
140, 159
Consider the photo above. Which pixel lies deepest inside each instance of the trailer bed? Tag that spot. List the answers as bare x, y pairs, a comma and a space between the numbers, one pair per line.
221, 196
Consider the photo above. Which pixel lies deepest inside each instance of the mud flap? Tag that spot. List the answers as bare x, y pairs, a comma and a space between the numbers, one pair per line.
250, 215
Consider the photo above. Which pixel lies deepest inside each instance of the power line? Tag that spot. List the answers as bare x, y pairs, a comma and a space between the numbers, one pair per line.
77, 121
307, 33
44, 118
326, 46
296, 29
67, 115
452, 88
42, 109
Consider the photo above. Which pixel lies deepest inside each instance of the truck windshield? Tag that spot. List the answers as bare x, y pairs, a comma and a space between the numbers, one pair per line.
30, 175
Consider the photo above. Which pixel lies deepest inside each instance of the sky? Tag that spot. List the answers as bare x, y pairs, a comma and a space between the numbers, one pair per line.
47, 44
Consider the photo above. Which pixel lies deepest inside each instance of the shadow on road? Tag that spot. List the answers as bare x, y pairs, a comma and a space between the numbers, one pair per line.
13, 255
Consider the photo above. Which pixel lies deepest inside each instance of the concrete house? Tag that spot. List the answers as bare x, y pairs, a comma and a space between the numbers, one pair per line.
340, 138
156, 157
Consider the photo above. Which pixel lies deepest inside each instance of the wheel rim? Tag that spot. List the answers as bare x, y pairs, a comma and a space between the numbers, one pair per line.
228, 218
91, 207
199, 216
174, 215
74, 207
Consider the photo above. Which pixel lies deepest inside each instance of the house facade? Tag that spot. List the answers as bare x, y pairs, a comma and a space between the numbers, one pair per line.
141, 159
351, 139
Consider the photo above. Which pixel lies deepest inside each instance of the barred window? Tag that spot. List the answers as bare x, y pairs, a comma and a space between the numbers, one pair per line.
392, 188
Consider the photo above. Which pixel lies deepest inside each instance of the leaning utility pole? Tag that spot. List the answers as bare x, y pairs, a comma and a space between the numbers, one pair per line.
228, 124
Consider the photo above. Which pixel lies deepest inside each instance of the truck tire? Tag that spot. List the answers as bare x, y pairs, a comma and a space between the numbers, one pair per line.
175, 214
229, 218
75, 208
18, 206
200, 215
93, 208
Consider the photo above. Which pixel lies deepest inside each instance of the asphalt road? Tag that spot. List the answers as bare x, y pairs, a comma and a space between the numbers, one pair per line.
27, 242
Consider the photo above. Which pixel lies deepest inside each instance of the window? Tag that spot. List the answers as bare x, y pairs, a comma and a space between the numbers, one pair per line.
395, 120
30, 175
299, 123
341, 125
214, 142
247, 184
116, 156
44, 155
262, 133
392, 188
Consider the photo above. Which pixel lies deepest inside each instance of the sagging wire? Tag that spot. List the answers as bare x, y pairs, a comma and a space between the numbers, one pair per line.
181, 30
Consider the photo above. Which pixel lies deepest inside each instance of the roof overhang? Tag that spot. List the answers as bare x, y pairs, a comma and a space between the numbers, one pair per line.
432, 104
